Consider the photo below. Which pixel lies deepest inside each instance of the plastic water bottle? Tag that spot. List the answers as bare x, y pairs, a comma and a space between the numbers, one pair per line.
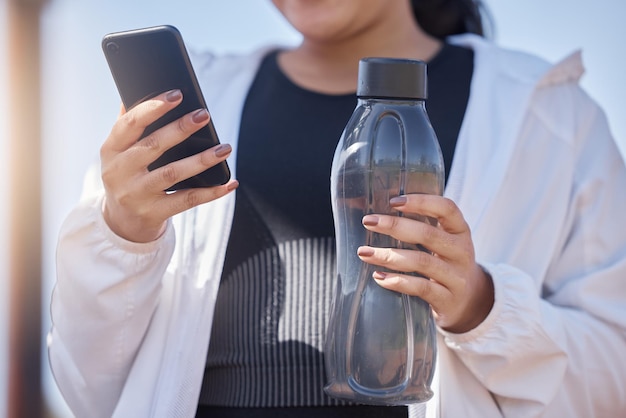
381, 345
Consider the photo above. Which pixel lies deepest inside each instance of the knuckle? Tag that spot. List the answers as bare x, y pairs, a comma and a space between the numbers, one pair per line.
423, 259
124, 198
422, 288
152, 105
107, 175
430, 233
449, 207
109, 172
206, 158
394, 222
130, 120
169, 174
181, 125
386, 256
192, 199
104, 151
151, 142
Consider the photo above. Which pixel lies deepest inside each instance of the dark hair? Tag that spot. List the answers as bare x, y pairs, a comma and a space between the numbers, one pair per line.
441, 18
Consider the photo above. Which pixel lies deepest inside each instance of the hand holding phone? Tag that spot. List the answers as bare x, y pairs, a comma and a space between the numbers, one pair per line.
162, 156
150, 61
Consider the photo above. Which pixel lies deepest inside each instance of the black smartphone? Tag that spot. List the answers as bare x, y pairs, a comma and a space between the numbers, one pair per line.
149, 61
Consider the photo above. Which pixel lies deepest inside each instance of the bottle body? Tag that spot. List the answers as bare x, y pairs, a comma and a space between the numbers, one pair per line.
380, 345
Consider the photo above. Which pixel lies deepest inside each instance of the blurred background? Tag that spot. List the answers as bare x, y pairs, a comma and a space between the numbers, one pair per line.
58, 102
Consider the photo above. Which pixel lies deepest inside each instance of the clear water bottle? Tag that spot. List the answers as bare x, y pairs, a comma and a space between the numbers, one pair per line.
381, 345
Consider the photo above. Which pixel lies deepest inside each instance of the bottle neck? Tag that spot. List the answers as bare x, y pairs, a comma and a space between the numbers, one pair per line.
369, 101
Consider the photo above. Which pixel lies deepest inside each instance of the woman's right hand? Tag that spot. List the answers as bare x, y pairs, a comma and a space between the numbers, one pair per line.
136, 206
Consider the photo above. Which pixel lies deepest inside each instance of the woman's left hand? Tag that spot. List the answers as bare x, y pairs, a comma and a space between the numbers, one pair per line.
457, 288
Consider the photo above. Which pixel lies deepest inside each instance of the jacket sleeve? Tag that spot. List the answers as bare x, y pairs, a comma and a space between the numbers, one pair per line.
106, 292
555, 345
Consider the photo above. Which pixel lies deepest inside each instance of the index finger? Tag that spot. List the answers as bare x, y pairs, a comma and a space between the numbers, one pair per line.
441, 208
131, 124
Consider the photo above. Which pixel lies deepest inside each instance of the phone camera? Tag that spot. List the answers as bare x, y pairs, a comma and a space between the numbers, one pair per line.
113, 48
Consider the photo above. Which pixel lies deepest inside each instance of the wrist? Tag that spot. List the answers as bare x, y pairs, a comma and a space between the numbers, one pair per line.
130, 228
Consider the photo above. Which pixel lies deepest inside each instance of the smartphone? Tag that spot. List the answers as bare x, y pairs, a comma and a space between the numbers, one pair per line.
147, 62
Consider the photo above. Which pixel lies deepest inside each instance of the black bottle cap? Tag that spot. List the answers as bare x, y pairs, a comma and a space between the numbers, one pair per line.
393, 78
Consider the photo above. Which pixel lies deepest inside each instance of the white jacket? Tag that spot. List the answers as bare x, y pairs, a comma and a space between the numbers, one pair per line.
539, 180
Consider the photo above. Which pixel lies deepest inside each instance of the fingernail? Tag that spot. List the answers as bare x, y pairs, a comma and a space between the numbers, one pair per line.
222, 150
200, 116
379, 275
365, 252
370, 220
397, 201
173, 96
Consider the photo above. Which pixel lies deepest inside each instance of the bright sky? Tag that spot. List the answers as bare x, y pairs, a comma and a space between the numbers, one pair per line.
80, 100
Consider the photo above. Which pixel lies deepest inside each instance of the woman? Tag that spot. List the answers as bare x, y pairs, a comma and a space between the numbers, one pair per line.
160, 317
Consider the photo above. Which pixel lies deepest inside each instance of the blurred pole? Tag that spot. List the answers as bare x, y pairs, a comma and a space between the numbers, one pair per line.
24, 145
